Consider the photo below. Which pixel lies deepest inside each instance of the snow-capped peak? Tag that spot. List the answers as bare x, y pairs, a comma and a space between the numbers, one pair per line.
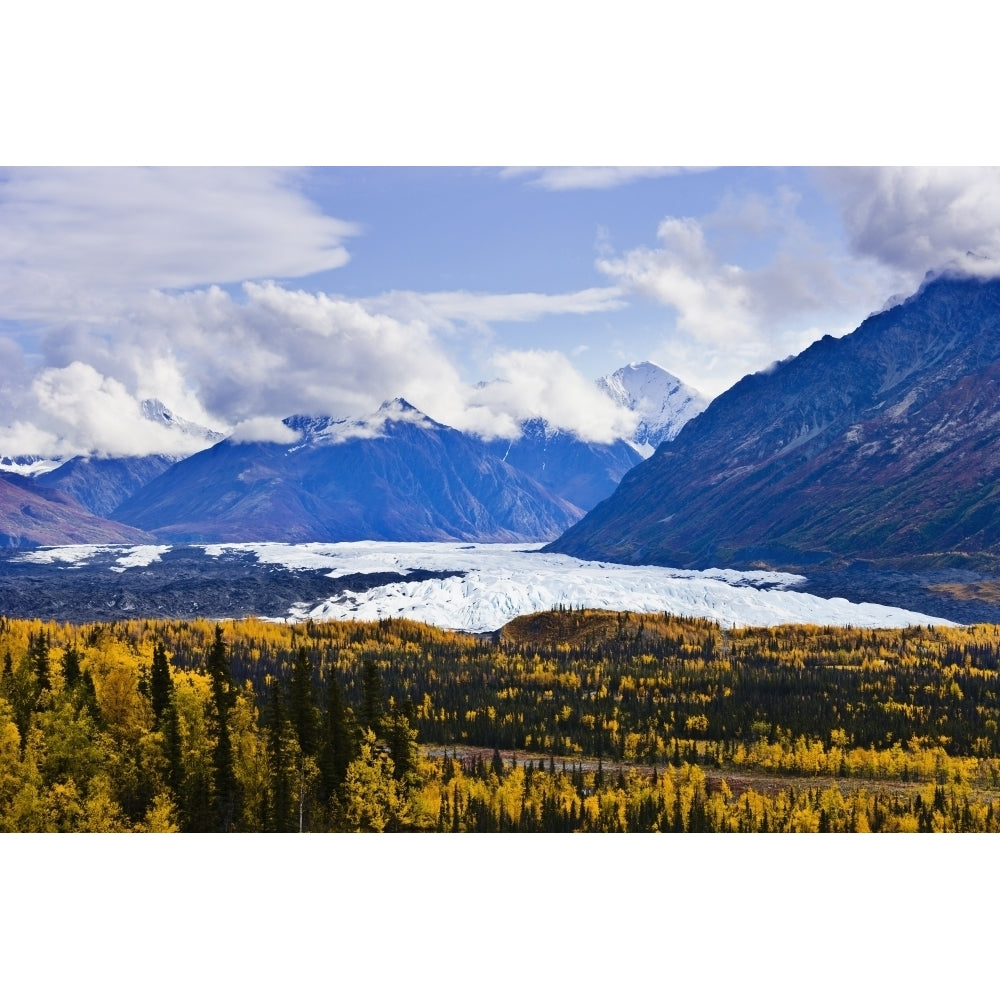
329, 430
157, 412
29, 465
663, 403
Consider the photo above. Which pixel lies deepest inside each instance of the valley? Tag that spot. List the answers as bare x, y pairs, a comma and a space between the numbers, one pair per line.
562, 721
473, 588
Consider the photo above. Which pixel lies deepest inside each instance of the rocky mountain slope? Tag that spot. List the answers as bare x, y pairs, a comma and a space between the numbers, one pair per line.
398, 475
31, 514
582, 472
102, 484
880, 446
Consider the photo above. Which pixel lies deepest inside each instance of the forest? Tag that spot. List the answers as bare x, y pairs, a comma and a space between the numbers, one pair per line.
564, 721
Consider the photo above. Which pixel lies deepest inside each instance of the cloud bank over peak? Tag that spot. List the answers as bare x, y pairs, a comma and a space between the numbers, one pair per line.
230, 295
918, 219
244, 365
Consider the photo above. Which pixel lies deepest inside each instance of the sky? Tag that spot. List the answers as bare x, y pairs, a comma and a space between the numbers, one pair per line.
241, 295
483, 294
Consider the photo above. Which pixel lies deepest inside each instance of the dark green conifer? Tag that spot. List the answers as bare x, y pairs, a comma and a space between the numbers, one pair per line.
38, 658
338, 743
71, 666
161, 685
302, 699
222, 692
371, 698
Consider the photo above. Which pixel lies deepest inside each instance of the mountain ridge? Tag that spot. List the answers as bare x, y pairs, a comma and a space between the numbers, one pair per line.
396, 475
880, 445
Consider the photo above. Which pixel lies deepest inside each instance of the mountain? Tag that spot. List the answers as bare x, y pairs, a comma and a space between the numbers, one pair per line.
102, 484
395, 476
31, 514
586, 472
158, 413
582, 472
29, 465
883, 445
662, 401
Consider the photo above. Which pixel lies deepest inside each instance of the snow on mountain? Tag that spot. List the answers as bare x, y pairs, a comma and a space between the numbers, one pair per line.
494, 583
29, 465
662, 401
153, 410
318, 431
158, 413
582, 472
396, 474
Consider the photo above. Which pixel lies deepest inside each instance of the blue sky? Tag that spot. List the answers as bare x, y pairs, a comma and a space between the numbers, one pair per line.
241, 295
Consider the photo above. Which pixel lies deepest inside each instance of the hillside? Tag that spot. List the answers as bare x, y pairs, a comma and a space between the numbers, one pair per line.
398, 475
31, 514
880, 446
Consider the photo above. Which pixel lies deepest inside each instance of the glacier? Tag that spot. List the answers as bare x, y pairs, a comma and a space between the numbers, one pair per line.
494, 583
482, 586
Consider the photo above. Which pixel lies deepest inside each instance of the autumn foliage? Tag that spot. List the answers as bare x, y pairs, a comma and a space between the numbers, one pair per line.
565, 721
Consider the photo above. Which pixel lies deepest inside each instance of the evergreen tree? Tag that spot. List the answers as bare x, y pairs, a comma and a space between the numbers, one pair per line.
338, 742
281, 820
161, 685
38, 658
402, 741
170, 727
71, 666
371, 698
88, 696
302, 698
222, 692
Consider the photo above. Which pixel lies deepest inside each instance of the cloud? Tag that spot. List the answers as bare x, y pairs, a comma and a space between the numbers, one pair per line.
916, 219
263, 429
77, 410
73, 241
545, 384
599, 178
478, 309
729, 317
712, 299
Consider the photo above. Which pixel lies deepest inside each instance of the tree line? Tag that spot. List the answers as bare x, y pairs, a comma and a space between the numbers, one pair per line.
256, 726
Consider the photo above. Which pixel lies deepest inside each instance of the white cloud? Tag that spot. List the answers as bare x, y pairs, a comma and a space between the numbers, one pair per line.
76, 410
263, 429
577, 178
732, 318
545, 384
478, 309
73, 241
712, 299
916, 219
246, 364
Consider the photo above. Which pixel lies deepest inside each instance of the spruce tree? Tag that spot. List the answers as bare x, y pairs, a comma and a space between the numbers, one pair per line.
222, 693
338, 743
302, 698
170, 727
71, 666
277, 743
371, 698
38, 658
161, 685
